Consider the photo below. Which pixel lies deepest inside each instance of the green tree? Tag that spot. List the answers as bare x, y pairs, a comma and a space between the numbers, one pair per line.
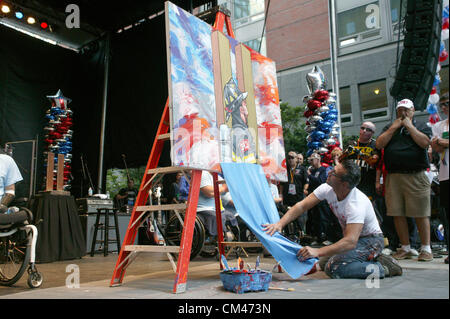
294, 133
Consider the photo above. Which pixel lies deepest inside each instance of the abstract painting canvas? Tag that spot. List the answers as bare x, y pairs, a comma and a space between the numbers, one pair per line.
223, 99
191, 91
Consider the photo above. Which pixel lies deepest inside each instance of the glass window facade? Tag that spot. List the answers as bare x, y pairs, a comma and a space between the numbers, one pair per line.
246, 8
344, 100
373, 99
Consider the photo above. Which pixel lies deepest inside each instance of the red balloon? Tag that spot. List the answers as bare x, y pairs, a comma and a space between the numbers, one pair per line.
443, 56
433, 90
308, 113
321, 95
444, 23
314, 104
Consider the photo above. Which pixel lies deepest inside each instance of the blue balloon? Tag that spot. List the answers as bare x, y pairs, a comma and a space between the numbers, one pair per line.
309, 152
333, 111
437, 80
432, 108
317, 135
445, 12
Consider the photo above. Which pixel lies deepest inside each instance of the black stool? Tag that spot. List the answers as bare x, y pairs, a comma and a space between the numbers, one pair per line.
106, 227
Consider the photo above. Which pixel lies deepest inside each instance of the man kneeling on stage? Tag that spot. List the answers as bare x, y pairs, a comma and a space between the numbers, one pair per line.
356, 254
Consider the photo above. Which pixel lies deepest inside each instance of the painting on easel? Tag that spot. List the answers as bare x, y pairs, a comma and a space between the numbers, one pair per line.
223, 99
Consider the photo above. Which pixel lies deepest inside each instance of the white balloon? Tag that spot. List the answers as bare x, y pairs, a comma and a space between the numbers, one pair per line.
444, 35
433, 99
438, 68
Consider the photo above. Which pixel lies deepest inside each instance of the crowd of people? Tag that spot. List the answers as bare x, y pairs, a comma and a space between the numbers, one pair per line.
378, 190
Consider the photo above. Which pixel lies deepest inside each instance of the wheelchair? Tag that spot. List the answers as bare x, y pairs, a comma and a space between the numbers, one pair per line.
17, 248
202, 242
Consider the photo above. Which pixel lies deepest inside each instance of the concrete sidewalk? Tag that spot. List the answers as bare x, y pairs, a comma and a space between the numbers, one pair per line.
420, 280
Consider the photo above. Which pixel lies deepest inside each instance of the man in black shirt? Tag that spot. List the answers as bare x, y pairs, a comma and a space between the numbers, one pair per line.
405, 144
366, 155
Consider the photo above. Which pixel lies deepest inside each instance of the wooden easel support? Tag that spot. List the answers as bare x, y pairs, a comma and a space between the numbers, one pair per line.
50, 175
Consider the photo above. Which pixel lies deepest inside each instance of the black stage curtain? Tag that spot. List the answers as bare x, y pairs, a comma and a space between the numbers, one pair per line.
31, 69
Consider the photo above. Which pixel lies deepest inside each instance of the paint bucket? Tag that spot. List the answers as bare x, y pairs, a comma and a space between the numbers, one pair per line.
240, 281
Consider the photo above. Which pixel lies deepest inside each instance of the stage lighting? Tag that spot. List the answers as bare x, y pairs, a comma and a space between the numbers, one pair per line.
19, 15
5, 8
44, 25
31, 20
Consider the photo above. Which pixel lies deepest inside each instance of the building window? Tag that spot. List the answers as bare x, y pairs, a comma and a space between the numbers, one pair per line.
358, 23
345, 105
373, 100
246, 8
443, 86
256, 45
395, 13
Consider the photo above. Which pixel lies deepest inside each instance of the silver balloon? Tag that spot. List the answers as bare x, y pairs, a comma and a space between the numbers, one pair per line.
316, 80
335, 126
308, 138
330, 141
331, 94
310, 128
330, 100
334, 133
306, 98
315, 118
323, 150
323, 109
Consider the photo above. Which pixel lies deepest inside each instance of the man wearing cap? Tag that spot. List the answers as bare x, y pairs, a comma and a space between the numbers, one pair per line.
405, 144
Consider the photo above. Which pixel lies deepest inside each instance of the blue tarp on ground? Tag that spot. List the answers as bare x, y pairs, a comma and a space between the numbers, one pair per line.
253, 201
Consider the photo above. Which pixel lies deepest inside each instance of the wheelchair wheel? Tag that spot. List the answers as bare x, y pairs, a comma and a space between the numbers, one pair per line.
174, 229
14, 257
35, 279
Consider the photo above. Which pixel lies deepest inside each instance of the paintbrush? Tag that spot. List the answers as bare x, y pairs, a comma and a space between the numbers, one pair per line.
283, 289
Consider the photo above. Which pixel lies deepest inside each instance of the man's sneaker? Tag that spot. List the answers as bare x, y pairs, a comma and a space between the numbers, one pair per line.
403, 254
390, 265
425, 256
386, 251
414, 252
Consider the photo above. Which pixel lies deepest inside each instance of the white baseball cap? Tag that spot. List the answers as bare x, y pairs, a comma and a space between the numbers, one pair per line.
406, 104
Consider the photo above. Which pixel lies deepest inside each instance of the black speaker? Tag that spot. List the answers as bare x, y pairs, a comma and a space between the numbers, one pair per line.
420, 55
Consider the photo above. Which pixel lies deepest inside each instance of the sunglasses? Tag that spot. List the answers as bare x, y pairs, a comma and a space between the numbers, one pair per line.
366, 129
291, 157
332, 172
444, 104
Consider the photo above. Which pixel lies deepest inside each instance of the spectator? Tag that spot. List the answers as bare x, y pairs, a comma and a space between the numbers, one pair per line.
180, 188
296, 188
405, 144
439, 143
335, 154
387, 226
366, 155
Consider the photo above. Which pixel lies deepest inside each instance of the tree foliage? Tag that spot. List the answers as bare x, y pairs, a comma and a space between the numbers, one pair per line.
294, 133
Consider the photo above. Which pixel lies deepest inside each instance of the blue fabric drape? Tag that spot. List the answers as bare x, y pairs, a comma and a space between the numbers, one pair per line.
253, 201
